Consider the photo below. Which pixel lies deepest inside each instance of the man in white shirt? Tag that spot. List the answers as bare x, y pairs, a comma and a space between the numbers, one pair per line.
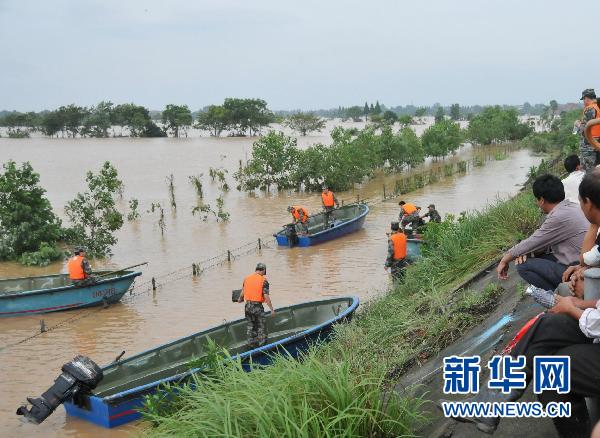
571, 328
571, 182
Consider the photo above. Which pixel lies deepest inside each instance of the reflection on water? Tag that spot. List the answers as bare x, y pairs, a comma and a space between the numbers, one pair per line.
350, 265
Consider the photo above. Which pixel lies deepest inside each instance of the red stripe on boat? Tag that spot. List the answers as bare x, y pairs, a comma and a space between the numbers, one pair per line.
41, 310
122, 414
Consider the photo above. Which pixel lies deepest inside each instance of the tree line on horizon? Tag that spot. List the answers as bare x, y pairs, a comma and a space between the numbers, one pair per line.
239, 117
235, 117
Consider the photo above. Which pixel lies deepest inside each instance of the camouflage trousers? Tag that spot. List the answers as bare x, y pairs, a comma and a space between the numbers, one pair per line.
588, 156
256, 328
302, 228
397, 269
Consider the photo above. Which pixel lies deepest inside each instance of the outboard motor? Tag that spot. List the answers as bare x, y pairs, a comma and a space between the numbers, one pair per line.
79, 376
291, 234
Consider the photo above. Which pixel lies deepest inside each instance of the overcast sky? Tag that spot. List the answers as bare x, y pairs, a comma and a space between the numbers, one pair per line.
296, 54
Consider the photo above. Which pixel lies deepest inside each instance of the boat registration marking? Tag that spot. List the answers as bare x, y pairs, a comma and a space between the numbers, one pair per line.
104, 293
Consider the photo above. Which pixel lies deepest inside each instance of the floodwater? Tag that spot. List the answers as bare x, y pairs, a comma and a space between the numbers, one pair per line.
349, 265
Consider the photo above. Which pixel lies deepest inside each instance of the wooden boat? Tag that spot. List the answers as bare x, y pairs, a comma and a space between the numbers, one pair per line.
343, 220
117, 398
51, 293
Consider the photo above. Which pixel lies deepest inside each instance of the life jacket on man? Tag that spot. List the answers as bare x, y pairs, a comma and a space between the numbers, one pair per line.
253, 288
75, 268
408, 208
328, 200
399, 242
595, 131
296, 210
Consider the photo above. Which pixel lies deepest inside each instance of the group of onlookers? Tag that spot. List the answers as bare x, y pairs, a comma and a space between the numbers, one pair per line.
553, 261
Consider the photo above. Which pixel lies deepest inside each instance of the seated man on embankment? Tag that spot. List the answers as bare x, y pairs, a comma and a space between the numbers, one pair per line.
572, 328
556, 244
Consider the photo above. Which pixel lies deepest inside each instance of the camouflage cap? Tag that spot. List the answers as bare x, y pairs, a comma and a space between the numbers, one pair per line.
261, 267
588, 92
395, 226
431, 206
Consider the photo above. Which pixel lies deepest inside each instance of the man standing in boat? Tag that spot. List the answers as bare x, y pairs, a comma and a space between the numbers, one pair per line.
396, 258
255, 291
300, 215
79, 268
329, 202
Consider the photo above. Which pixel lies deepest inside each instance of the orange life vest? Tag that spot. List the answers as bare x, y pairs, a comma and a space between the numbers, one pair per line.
76, 271
399, 241
409, 208
296, 213
327, 198
595, 129
253, 288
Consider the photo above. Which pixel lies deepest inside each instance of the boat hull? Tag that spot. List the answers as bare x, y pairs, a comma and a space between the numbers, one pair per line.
328, 234
65, 298
413, 249
123, 408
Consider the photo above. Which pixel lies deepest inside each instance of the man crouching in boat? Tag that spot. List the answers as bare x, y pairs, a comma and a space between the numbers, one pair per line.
255, 291
300, 218
80, 272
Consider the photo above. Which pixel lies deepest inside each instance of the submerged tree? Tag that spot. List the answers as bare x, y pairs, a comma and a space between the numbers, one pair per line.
441, 138
439, 114
98, 121
274, 159
355, 113
495, 124
455, 111
305, 123
177, 118
215, 119
94, 215
247, 115
26, 218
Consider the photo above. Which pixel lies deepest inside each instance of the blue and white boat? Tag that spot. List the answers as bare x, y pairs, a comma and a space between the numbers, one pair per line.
119, 396
341, 221
52, 293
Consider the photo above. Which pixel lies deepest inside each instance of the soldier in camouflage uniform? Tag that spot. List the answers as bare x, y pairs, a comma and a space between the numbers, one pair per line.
589, 157
396, 257
432, 214
255, 291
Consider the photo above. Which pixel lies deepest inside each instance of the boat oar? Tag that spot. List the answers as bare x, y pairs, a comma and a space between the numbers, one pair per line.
121, 270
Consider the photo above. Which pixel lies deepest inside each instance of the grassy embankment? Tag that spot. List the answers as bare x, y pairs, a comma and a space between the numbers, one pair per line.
343, 388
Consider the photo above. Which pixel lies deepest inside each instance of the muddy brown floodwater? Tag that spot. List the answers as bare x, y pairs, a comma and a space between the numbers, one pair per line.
349, 265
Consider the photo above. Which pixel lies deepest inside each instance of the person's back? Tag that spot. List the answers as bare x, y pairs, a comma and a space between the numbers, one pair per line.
79, 268
571, 183
397, 250
76, 272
